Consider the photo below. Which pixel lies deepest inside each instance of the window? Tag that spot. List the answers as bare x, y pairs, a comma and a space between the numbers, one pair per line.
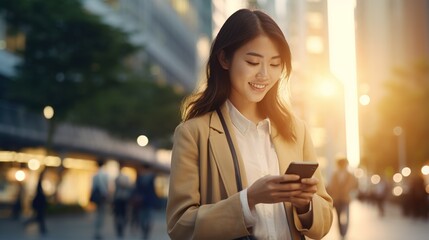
315, 20
315, 44
15, 43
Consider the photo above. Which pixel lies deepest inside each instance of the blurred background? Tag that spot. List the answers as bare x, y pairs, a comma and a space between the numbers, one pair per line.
84, 80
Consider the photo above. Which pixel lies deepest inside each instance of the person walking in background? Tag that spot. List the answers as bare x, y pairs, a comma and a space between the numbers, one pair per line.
146, 199
237, 138
381, 190
17, 204
99, 196
39, 204
418, 202
342, 184
121, 198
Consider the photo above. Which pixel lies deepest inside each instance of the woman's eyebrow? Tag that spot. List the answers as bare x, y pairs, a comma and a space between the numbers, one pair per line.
259, 55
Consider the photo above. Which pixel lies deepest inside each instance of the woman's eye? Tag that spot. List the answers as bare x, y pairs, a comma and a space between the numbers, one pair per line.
252, 63
275, 65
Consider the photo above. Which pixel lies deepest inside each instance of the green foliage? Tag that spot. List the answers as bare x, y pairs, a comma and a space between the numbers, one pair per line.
406, 105
132, 108
74, 63
69, 53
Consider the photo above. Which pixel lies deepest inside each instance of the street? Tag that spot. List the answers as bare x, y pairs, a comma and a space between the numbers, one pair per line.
365, 224
77, 227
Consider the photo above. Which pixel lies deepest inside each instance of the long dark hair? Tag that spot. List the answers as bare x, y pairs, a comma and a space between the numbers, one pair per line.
241, 27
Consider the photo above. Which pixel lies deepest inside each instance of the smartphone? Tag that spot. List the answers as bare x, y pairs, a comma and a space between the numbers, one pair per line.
303, 169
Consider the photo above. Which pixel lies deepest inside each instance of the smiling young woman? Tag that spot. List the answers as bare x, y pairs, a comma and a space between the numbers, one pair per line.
237, 139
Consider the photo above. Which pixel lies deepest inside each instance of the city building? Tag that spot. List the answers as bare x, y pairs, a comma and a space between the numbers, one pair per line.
316, 95
390, 34
168, 31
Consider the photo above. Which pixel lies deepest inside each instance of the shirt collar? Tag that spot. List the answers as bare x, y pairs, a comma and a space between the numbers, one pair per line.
241, 122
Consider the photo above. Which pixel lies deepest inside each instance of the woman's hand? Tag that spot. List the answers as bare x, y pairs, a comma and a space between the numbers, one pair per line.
308, 189
274, 189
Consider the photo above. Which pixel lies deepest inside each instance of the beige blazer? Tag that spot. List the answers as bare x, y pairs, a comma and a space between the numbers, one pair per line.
203, 202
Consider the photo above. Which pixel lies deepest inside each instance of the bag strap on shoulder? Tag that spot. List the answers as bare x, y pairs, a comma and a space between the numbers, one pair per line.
233, 152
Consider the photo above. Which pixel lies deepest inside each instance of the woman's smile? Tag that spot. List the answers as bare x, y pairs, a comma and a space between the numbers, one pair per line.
258, 86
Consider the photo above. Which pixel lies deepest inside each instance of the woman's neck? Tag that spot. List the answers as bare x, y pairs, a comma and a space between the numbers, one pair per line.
249, 110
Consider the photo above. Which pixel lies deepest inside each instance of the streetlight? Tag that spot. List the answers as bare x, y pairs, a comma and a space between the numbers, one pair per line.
48, 112
142, 140
402, 158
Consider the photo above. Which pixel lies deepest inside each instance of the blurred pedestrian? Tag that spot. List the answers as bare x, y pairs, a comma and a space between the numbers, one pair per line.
340, 187
237, 138
99, 196
39, 204
121, 198
418, 196
381, 190
146, 199
17, 204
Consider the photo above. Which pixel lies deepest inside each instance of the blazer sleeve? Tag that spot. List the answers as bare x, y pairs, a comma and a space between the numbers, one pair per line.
321, 202
187, 217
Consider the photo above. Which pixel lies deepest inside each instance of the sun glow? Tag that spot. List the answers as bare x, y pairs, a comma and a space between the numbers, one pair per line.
342, 60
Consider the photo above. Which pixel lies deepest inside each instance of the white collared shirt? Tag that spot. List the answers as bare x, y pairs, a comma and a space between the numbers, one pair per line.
260, 159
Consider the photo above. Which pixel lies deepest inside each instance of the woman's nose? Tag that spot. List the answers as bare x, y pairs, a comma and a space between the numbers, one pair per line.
262, 73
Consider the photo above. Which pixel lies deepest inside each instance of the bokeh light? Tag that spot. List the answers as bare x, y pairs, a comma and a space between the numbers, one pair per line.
425, 170
397, 191
142, 140
397, 131
364, 100
397, 177
359, 173
20, 175
406, 171
48, 112
375, 179
33, 164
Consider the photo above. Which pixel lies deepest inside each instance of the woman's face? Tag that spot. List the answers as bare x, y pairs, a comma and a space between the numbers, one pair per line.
254, 69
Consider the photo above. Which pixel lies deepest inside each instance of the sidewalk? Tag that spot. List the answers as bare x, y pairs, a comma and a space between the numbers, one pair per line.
77, 227
365, 223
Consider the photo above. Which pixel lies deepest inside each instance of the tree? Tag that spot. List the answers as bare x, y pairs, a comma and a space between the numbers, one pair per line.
138, 107
405, 105
69, 55
74, 63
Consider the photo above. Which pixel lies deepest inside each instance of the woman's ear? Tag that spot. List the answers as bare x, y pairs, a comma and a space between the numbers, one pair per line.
222, 60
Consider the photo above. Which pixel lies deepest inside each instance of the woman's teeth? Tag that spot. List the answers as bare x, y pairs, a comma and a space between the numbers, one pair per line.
258, 86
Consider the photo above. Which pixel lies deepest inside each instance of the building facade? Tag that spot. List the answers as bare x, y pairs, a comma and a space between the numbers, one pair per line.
316, 95
168, 31
390, 34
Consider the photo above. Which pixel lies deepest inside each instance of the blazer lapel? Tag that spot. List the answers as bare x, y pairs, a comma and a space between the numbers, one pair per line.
222, 153
286, 153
